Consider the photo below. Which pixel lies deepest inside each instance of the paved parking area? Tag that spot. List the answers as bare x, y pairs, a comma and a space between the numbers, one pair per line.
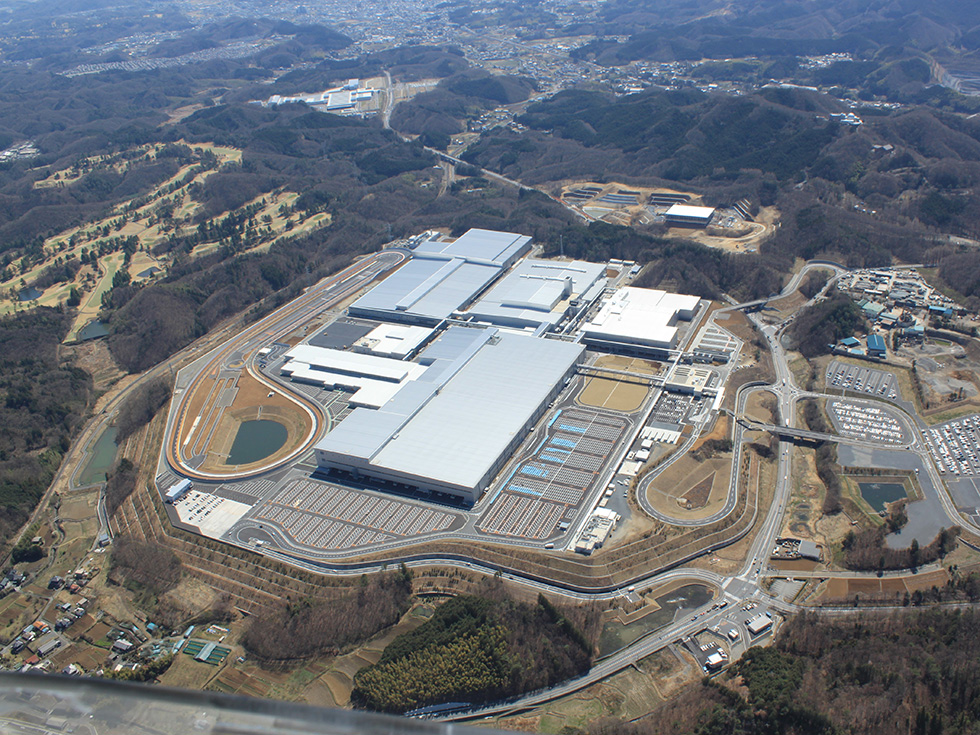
322, 516
955, 446
247, 491
673, 408
860, 379
547, 487
867, 422
341, 334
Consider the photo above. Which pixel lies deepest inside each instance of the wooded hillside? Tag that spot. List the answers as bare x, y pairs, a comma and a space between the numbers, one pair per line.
870, 674
477, 649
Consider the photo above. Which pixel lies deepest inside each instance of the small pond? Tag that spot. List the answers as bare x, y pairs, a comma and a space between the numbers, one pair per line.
101, 460
256, 440
93, 330
879, 494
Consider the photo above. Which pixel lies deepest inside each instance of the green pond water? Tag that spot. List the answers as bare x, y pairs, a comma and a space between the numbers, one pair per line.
615, 635
101, 460
256, 440
93, 330
877, 494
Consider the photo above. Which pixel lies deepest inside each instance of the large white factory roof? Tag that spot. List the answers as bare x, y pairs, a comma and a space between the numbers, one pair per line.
478, 246
375, 379
427, 290
452, 426
641, 316
442, 277
392, 340
690, 212
535, 291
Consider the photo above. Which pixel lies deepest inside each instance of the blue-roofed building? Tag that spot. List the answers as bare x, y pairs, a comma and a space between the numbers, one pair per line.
850, 342
876, 345
940, 311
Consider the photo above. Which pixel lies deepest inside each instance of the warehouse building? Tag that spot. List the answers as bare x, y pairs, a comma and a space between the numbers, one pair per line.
686, 215
876, 345
640, 321
450, 431
442, 277
178, 490
759, 624
396, 341
540, 293
374, 379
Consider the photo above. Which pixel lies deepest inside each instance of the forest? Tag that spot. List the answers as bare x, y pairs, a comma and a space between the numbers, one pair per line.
441, 113
43, 402
862, 674
302, 629
148, 570
478, 649
818, 327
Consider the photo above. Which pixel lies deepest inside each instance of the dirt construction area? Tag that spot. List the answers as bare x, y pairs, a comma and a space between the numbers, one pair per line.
626, 394
838, 589
689, 489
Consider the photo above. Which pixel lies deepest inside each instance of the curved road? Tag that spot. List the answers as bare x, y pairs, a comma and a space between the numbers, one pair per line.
737, 430
246, 344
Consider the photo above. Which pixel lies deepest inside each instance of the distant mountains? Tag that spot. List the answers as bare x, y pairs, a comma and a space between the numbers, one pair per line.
671, 30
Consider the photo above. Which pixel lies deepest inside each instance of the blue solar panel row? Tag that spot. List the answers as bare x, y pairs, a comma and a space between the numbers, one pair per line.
533, 471
562, 442
529, 491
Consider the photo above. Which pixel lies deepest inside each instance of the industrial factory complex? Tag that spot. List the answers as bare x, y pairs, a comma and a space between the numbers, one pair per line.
488, 335
442, 385
451, 428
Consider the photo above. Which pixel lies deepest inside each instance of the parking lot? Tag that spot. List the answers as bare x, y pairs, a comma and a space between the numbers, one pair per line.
673, 408
322, 516
547, 487
729, 628
862, 380
867, 422
954, 446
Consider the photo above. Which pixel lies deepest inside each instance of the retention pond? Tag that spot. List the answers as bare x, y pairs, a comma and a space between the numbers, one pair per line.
101, 460
256, 440
879, 494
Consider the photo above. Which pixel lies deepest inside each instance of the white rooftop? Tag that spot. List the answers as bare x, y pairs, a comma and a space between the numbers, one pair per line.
489, 247
641, 316
374, 379
392, 340
534, 291
690, 211
442, 276
451, 427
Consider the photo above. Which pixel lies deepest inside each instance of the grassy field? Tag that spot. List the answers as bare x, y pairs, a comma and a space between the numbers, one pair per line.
630, 694
670, 491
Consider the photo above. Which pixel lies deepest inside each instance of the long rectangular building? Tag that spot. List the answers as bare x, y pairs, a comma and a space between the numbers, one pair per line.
539, 292
641, 320
442, 277
452, 429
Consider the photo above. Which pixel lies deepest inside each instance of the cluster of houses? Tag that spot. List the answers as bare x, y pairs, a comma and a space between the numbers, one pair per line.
896, 301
